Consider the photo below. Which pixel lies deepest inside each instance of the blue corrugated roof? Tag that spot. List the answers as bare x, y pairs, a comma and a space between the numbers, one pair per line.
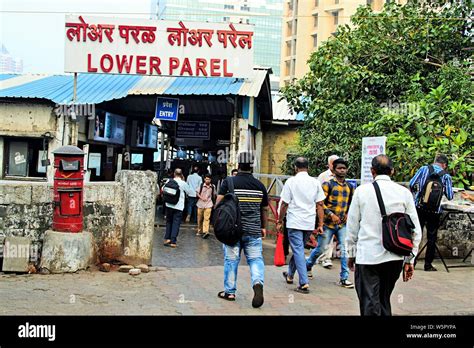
96, 88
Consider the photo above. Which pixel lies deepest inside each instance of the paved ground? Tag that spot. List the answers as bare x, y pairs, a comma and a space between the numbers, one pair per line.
186, 281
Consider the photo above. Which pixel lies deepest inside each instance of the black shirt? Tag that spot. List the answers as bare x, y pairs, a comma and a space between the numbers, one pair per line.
252, 195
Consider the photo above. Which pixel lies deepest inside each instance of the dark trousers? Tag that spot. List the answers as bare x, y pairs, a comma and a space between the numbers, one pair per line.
431, 220
374, 285
173, 222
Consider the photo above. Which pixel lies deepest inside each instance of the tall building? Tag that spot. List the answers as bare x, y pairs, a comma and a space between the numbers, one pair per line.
10, 64
308, 23
265, 15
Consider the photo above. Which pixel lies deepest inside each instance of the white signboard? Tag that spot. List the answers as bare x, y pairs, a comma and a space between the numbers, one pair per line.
371, 147
145, 47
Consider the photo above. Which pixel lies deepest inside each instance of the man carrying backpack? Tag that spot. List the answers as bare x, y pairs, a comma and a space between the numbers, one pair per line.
206, 194
173, 195
430, 183
252, 208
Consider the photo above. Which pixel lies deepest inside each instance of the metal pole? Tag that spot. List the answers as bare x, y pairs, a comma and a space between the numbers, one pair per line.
162, 157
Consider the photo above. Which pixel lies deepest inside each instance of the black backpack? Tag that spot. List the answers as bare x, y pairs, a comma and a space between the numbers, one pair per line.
432, 191
397, 229
227, 218
171, 192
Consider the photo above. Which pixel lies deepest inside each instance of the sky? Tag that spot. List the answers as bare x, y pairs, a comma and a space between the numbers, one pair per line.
33, 30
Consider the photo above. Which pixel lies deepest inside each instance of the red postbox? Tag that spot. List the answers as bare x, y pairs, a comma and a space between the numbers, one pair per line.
68, 189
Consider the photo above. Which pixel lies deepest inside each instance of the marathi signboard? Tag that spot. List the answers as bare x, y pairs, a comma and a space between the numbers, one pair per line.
145, 47
371, 147
193, 130
167, 109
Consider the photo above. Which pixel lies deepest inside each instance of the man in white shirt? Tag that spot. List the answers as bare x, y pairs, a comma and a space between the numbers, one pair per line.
194, 181
302, 195
174, 212
377, 270
328, 174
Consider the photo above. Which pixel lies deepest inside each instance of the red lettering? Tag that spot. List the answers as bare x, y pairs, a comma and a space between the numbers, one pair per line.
215, 66
155, 65
226, 73
140, 64
201, 64
102, 63
89, 64
186, 68
123, 61
174, 63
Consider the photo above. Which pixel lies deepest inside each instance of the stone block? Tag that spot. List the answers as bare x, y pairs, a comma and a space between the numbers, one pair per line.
134, 271
67, 252
16, 193
16, 254
42, 193
125, 268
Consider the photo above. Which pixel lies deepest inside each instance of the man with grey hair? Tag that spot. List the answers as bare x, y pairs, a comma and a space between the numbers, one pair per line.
328, 174
377, 269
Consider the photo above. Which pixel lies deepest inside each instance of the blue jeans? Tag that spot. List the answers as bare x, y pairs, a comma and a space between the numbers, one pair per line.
252, 247
298, 239
173, 222
323, 241
191, 209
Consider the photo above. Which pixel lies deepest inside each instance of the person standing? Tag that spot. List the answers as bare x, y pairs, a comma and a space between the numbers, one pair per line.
325, 258
301, 198
430, 216
234, 172
253, 204
174, 212
377, 269
205, 195
338, 194
194, 181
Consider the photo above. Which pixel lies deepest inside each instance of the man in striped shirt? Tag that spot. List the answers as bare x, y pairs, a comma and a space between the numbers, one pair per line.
253, 204
431, 219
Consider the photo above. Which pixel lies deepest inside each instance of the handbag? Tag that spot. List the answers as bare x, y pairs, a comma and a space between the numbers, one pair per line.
279, 257
397, 229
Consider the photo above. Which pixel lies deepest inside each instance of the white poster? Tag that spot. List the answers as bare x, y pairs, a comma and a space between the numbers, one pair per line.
371, 147
108, 45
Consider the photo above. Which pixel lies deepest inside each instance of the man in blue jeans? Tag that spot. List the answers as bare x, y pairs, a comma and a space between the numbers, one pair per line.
174, 212
253, 204
301, 197
336, 206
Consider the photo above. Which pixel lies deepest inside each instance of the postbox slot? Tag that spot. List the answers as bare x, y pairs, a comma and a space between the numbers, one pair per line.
69, 166
70, 202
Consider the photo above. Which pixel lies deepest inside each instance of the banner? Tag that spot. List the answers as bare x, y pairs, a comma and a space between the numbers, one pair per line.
110, 45
371, 147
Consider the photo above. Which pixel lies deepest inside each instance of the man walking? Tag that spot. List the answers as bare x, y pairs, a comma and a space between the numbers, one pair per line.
205, 194
253, 204
302, 195
328, 174
338, 194
174, 212
194, 181
429, 212
377, 269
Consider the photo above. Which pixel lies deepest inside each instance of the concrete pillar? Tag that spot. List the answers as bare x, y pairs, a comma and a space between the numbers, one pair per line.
258, 151
140, 201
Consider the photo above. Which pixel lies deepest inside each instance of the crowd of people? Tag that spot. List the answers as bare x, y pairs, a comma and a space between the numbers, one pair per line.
330, 207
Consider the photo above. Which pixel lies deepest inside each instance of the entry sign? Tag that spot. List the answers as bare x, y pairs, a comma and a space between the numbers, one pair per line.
167, 109
371, 147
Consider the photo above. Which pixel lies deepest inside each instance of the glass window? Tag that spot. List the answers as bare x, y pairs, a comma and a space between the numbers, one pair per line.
315, 20
315, 40
18, 159
336, 17
316, 3
228, 7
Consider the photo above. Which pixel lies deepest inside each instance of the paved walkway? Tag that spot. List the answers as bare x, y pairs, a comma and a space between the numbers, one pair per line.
190, 288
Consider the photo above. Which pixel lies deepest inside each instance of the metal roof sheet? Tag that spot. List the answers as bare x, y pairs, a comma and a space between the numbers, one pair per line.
281, 110
96, 88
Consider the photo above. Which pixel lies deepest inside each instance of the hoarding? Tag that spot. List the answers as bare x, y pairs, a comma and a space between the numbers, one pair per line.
108, 127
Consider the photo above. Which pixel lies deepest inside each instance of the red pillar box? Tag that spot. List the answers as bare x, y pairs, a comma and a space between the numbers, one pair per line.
68, 189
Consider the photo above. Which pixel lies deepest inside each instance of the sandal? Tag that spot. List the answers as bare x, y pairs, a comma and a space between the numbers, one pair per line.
288, 279
303, 289
226, 296
167, 242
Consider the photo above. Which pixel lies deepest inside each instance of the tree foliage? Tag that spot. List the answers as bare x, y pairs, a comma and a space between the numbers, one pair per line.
416, 55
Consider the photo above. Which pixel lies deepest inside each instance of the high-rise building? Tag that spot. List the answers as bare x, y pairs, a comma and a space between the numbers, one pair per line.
10, 64
265, 15
308, 23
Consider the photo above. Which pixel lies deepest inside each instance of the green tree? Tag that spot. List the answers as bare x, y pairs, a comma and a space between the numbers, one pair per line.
395, 57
